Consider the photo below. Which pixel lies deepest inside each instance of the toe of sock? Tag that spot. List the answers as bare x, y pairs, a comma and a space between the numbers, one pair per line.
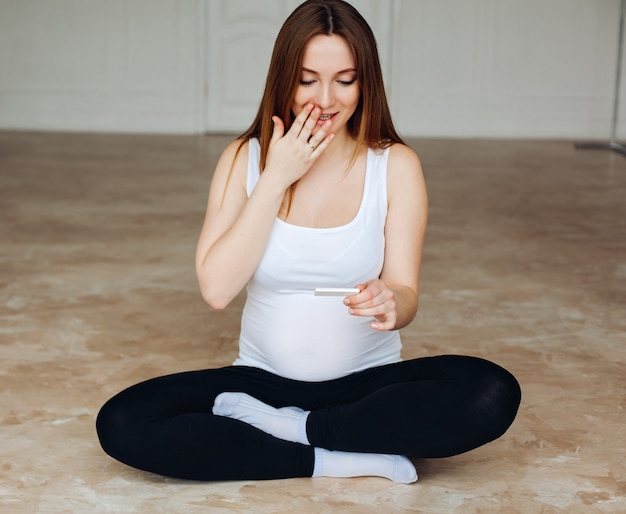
404, 471
224, 403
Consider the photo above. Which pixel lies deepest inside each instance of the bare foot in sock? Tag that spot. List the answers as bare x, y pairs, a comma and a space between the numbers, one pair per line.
348, 464
287, 423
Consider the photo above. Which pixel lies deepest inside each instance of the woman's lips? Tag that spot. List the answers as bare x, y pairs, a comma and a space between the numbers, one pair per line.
325, 117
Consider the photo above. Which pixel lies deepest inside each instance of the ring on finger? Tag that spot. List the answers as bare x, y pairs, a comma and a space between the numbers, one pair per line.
312, 147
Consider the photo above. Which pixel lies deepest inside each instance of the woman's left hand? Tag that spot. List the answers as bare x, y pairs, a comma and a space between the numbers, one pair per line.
375, 300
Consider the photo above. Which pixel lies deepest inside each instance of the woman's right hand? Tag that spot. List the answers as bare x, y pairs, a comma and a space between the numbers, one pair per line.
237, 226
291, 154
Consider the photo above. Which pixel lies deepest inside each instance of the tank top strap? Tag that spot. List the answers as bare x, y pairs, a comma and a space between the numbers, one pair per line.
375, 193
254, 164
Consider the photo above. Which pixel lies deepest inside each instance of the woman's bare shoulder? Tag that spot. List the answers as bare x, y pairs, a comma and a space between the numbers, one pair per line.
233, 162
403, 155
230, 171
235, 151
403, 165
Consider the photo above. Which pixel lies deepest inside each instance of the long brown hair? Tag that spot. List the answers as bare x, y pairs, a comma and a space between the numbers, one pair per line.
371, 124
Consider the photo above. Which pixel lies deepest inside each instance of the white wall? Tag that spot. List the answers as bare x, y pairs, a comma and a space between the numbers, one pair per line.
458, 68
526, 68
102, 65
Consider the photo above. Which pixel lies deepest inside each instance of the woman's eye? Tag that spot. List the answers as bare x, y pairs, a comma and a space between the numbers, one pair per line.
347, 82
306, 82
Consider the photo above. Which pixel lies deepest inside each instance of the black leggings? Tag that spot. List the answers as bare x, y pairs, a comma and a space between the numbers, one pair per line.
428, 407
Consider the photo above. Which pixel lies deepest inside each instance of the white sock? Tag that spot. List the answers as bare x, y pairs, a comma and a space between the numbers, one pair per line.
287, 423
348, 464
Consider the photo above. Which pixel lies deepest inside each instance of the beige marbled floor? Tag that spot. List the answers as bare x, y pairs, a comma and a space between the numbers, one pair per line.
525, 264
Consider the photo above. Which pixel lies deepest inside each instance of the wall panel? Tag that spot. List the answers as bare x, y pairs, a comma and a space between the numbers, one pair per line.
505, 68
109, 65
453, 68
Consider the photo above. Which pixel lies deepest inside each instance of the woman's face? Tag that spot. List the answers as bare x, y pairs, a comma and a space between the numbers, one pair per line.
329, 81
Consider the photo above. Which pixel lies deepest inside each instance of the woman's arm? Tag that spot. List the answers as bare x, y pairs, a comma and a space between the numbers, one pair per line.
393, 297
236, 228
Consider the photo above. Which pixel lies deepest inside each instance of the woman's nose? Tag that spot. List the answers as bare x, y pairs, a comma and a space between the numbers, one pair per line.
326, 97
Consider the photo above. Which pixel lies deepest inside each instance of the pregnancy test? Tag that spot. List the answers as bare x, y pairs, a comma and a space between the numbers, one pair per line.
335, 291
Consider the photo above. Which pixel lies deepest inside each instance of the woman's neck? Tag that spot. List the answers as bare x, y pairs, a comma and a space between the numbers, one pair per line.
340, 150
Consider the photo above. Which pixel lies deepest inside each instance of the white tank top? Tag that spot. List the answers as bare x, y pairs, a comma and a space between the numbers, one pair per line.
287, 330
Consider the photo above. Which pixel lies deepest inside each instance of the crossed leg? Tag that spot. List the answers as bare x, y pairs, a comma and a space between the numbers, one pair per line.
432, 407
